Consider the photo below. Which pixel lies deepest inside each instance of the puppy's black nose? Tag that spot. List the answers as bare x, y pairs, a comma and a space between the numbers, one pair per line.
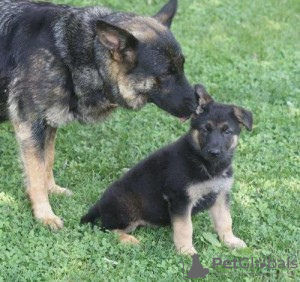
214, 152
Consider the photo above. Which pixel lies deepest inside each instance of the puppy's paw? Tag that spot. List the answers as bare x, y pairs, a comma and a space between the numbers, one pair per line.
128, 239
55, 189
187, 251
235, 243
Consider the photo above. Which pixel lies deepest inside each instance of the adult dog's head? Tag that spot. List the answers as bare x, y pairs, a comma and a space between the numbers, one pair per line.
144, 61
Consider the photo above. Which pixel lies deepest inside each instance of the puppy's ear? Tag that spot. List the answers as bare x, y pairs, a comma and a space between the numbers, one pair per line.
244, 117
167, 13
203, 96
117, 40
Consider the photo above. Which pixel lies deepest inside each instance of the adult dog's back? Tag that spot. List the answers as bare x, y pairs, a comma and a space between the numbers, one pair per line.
15, 17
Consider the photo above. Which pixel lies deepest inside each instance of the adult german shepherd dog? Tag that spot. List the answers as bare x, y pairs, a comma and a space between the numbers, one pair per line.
59, 64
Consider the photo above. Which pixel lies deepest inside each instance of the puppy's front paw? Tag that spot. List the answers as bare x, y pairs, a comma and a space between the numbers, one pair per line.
128, 239
235, 243
187, 251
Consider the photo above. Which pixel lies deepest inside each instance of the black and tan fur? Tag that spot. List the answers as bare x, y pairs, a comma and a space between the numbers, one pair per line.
60, 64
188, 176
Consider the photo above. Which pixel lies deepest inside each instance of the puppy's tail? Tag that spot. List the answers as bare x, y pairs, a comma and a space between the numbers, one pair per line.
92, 215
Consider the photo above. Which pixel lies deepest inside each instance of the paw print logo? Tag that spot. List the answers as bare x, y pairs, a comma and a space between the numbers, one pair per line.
261, 263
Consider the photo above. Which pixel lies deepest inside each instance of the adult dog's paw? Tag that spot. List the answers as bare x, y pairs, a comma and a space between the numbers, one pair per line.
44, 214
54, 222
60, 191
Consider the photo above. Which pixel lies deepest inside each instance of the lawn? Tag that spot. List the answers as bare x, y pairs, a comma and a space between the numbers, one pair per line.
245, 52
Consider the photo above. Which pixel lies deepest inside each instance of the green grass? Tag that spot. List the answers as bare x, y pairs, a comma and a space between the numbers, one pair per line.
245, 52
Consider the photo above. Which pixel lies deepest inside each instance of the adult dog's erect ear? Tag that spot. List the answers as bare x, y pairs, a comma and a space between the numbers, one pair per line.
167, 13
243, 116
115, 39
203, 96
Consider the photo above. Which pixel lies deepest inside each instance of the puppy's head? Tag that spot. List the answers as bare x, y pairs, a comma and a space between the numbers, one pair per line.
145, 62
216, 127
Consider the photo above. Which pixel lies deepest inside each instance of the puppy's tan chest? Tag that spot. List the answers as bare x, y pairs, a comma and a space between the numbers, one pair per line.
197, 191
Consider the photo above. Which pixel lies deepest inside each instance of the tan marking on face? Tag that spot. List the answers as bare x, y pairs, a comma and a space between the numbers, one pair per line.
131, 90
211, 123
234, 142
196, 137
222, 125
126, 238
183, 233
220, 214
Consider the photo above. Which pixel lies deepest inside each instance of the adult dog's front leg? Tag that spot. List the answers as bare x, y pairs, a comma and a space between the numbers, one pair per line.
220, 214
31, 138
49, 162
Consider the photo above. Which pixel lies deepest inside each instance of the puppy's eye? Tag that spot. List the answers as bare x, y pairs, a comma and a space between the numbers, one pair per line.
227, 131
207, 128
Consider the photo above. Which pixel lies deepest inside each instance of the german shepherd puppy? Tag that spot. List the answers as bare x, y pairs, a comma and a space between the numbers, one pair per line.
188, 176
59, 64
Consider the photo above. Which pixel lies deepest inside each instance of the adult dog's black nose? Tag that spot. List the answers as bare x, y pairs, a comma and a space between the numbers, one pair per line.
214, 152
